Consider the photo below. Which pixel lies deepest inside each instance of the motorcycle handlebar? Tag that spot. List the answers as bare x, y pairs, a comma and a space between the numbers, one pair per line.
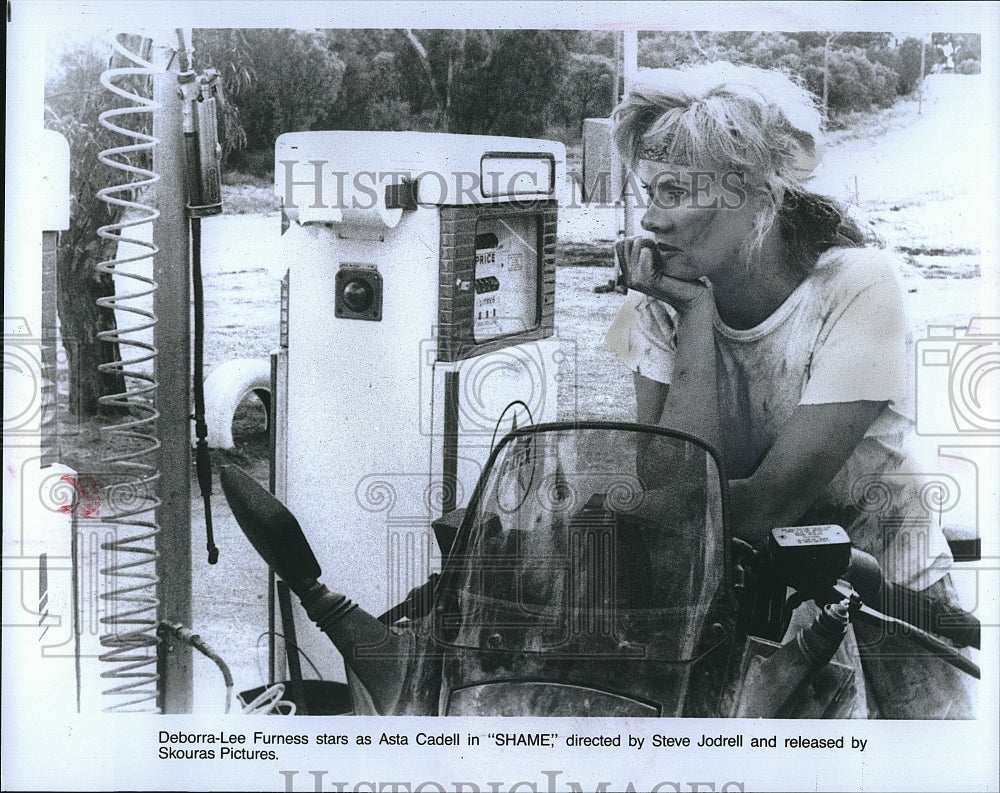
936, 646
909, 606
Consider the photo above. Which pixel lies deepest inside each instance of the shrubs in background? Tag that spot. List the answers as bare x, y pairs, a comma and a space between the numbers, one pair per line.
520, 82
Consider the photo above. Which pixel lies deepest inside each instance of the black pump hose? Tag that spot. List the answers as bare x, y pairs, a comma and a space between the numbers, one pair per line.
203, 461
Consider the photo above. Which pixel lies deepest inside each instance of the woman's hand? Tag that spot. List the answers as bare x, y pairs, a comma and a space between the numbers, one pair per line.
641, 265
691, 402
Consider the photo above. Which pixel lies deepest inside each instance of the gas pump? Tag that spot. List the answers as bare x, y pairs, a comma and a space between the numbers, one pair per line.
420, 330
41, 493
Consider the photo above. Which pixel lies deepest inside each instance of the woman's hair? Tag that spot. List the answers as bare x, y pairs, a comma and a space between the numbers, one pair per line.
737, 118
811, 224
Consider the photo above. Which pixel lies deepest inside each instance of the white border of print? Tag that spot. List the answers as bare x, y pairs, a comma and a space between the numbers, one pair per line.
116, 752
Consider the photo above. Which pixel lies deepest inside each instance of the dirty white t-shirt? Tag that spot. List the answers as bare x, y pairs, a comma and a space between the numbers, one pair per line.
841, 336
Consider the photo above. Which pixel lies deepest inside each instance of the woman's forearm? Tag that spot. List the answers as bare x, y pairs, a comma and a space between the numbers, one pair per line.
753, 514
689, 404
692, 403
815, 443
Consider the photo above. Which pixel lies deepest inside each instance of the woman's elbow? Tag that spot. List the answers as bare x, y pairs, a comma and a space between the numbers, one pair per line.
758, 507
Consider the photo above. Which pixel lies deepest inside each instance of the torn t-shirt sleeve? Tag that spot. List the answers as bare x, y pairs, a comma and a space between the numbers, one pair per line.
861, 353
643, 334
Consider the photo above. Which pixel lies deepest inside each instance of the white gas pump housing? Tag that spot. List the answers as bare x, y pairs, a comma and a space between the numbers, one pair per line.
420, 329
45, 645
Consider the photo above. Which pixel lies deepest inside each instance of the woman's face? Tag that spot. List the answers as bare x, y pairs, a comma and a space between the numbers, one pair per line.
700, 218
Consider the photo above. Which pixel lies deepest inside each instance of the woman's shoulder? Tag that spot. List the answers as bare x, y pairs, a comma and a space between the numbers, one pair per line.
853, 269
856, 259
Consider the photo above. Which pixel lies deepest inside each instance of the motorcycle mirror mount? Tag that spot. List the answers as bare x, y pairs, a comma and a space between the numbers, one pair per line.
277, 537
272, 530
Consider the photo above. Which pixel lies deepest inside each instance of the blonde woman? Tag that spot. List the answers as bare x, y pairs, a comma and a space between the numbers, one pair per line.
757, 320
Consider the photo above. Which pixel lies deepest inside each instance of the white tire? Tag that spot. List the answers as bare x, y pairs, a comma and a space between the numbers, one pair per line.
226, 386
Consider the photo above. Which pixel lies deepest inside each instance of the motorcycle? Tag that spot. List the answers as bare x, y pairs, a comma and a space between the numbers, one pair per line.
576, 583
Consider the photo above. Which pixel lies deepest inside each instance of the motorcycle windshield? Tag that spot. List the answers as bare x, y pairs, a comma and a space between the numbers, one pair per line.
589, 542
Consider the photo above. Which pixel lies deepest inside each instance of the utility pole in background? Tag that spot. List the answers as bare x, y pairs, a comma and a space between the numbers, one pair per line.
828, 43
630, 66
616, 80
923, 57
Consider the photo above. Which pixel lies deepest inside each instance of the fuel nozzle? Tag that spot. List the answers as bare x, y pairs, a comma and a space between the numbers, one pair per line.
201, 98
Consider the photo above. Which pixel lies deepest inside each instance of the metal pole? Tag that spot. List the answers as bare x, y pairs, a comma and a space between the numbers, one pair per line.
631, 57
826, 78
630, 63
173, 365
920, 92
617, 78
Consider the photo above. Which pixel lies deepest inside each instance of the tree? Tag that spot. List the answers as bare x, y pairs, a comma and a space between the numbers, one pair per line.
440, 56
506, 82
865, 40
384, 87
228, 51
585, 91
280, 80
828, 41
767, 49
852, 81
73, 102
500, 82
964, 47
908, 67
671, 50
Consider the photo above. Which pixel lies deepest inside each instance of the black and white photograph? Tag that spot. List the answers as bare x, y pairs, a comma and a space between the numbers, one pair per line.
477, 396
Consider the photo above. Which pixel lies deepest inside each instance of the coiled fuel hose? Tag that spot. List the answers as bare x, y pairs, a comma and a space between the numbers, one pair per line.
128, 496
